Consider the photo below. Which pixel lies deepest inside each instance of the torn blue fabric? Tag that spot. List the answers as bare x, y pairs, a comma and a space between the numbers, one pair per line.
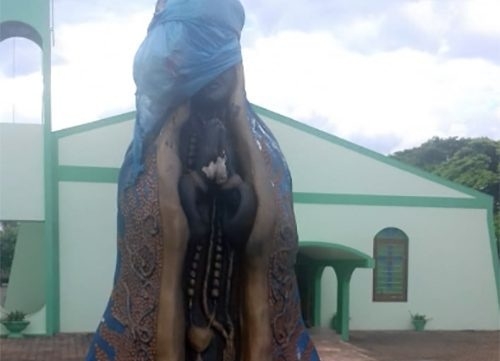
188, 44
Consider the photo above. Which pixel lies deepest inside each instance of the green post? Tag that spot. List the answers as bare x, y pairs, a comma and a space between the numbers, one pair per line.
344, 273
51, 206
317, 273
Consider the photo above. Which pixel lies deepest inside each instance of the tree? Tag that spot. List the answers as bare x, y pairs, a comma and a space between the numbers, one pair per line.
8, 237
473, 162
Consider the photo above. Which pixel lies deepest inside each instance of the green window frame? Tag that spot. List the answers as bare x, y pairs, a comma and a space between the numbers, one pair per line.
390, 275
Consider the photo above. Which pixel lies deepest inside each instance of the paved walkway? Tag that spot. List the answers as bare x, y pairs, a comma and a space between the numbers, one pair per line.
331, 348
72, 347
364, 346
63, 347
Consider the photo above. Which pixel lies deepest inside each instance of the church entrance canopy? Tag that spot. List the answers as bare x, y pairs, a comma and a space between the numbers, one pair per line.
312, 259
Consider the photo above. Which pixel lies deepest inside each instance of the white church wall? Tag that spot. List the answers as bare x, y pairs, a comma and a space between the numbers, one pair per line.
21, 172
450, 276
97, 147
87, 245
321, 166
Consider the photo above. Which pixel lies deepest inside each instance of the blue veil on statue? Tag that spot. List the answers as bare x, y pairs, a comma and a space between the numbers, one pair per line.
188, 44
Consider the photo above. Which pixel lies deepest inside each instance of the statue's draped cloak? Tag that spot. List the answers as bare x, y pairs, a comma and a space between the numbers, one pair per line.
128, 328
182, 52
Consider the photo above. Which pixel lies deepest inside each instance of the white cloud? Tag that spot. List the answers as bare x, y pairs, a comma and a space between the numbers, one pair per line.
405, 92
95, 77
21, 99
361, 31
482, 16
431, 16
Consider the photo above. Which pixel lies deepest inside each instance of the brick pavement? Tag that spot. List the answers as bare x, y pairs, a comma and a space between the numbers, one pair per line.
72, 347
62, 347
331, 348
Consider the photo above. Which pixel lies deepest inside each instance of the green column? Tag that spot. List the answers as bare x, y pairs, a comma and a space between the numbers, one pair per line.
344, 273
318, 272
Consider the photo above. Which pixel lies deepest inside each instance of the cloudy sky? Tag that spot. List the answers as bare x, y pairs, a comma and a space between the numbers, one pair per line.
385, 74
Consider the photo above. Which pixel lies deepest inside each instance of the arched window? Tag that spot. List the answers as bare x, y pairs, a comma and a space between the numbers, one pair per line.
390, 276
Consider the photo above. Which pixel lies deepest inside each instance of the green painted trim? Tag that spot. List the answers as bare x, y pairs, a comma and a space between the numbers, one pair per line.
344, 273
367, 152
346, 263
318, 273
51, 229
110, 175
366, 261
397, 201
8, 27
87, 174
95, 125
52, 248
494, 250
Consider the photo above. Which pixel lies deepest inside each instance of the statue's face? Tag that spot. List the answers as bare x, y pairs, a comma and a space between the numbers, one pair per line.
217, 91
